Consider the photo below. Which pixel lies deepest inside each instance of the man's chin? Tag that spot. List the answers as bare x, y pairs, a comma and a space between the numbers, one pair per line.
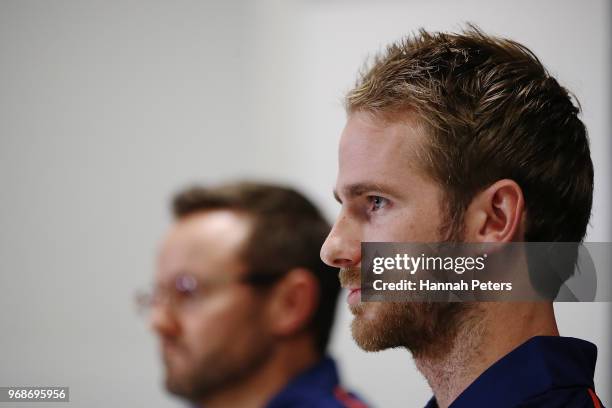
177, 386
368, 331
379, 326
357, 309
422, 328
364, 337
177, 378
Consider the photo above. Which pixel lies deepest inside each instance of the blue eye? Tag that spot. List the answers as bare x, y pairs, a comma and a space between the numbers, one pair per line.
377, 202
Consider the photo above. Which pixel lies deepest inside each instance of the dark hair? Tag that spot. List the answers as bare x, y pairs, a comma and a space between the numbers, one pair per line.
288, 232
491, 111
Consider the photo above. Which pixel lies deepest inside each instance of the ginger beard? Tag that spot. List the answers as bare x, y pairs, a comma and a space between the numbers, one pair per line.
424, 328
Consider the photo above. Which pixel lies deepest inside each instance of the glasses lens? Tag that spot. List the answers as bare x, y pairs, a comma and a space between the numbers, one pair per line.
186, 284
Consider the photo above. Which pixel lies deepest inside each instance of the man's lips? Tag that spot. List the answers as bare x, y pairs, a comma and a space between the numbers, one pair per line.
171, 349
349, 277
354, 296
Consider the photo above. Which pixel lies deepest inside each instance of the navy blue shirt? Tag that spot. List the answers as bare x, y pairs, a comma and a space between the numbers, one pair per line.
542, 372
317, 387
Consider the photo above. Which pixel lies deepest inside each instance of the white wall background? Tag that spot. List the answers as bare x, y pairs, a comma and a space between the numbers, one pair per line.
106, 108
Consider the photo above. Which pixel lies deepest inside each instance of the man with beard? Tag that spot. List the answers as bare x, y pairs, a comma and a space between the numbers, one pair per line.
242, 304
465, 138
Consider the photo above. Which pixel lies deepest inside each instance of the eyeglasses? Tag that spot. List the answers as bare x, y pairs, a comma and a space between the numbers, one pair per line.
187, 290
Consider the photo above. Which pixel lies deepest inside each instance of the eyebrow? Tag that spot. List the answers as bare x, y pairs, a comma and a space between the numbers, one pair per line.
358, 189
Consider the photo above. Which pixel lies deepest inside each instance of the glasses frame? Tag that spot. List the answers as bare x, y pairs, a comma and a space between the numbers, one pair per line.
187, 289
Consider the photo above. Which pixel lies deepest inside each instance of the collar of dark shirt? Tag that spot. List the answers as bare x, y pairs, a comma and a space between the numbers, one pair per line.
321, 378
540, 364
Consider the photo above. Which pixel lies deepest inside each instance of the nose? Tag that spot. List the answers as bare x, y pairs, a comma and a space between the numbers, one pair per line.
342, 248
163, 320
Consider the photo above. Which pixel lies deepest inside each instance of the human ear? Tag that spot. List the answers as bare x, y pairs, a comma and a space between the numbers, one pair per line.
293, 302
496, 214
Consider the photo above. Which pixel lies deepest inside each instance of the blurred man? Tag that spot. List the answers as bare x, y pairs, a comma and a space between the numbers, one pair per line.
243, 305
465, 137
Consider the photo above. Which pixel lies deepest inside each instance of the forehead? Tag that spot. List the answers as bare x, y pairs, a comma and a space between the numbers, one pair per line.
204, 244
376, 151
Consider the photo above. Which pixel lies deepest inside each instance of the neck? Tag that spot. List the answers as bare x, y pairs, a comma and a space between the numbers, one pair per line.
493, 330
287, 361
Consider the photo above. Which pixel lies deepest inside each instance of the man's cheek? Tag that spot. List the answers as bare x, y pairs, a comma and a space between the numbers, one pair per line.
387, 230
196, 338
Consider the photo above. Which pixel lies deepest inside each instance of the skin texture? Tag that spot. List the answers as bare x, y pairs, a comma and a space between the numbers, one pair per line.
229, 346
387, 196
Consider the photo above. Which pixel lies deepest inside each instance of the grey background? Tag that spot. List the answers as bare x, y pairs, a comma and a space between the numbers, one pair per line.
106, 108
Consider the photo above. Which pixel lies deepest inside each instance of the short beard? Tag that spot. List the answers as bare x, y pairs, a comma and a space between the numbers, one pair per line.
427, 329
216, 374
424, 328
220, 370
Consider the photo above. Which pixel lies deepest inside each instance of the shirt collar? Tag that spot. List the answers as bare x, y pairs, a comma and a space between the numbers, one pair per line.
320, 378
540, 364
